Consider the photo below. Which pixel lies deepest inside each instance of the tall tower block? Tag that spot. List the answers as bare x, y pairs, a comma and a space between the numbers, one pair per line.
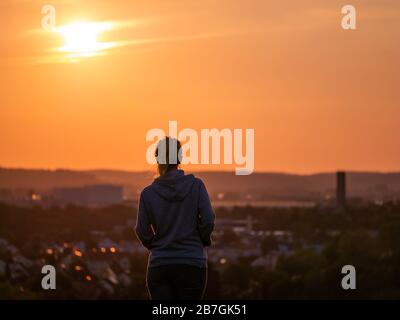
341, 189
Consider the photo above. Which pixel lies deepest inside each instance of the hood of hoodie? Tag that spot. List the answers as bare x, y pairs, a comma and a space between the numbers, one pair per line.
174, 185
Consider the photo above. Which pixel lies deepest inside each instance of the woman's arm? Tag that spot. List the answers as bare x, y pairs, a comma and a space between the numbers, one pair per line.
206, 216
144, 229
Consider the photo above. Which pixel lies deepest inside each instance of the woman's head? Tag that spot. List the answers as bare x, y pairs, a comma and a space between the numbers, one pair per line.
168, 155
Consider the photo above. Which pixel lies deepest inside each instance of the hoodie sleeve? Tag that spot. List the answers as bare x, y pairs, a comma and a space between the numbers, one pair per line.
206, 216
144, 230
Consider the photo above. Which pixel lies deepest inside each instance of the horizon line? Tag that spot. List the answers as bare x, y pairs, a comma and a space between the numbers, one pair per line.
196, 171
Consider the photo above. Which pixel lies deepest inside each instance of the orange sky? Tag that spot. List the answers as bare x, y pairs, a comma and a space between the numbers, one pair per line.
319, 98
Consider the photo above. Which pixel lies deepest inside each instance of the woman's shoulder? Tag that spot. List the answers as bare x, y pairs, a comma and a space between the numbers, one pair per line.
146, 190
199, 182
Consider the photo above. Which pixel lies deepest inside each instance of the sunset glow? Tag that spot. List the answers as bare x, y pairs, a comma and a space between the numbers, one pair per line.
84, 95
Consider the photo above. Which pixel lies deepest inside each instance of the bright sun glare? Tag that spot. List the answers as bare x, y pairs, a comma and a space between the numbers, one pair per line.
81, 38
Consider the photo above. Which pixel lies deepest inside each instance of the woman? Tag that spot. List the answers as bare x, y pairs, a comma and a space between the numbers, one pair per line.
175, 221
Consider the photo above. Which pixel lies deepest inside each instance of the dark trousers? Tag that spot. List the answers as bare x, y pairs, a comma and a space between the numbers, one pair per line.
176, 282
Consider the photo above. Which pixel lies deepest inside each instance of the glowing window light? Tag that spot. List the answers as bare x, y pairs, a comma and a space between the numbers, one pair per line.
78, 253
78, 268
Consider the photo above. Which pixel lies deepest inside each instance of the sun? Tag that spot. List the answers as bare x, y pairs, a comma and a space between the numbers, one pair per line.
81, 38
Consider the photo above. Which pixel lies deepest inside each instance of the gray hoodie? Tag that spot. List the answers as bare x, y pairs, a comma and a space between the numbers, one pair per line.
175, 220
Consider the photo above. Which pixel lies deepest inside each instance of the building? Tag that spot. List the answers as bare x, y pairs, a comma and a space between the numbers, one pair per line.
341, 189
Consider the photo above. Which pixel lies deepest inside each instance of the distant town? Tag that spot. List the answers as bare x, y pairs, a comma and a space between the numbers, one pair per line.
262, 251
